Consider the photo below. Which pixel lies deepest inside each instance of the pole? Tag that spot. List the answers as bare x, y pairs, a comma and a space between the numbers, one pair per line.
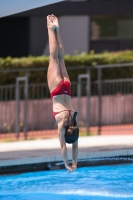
79, 97
99, 100
26, 107
17, 109
88, 103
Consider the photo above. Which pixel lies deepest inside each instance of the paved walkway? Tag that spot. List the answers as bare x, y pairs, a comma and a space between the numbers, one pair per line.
37, 151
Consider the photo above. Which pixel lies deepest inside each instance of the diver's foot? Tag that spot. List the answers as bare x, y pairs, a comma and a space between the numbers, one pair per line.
50, 24
55, 22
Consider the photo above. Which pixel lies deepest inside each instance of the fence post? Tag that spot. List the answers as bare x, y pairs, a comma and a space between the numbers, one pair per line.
26, 107
17, 109
79, 97
88, 102
99, 100
87, 76
25, 79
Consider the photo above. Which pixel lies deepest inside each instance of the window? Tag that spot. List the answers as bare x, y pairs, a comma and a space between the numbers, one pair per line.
111, 27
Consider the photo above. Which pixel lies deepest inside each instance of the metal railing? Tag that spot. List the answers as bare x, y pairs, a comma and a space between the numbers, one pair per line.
40, 106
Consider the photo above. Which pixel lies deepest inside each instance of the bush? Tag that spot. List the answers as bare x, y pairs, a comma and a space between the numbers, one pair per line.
81, 60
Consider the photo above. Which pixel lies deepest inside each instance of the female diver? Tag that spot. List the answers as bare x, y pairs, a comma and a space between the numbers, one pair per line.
60, 91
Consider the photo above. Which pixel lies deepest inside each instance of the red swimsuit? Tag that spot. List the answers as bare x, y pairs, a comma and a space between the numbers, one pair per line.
64, 87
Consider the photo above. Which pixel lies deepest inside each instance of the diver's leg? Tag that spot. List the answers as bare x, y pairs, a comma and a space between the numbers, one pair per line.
54, 76
60, 50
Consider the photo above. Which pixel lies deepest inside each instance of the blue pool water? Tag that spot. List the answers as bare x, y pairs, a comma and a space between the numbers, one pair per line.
87, 183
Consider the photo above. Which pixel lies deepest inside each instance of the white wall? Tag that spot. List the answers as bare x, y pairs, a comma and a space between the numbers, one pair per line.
75, 34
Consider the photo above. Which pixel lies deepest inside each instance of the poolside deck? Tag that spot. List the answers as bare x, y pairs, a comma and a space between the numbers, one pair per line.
48, 150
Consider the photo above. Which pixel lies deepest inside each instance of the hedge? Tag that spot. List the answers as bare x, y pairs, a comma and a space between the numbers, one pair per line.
83, 59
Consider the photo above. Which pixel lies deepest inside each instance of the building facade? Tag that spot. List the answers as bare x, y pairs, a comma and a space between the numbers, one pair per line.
85, 25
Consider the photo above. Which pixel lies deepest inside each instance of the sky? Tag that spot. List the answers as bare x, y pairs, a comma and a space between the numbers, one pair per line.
9, 7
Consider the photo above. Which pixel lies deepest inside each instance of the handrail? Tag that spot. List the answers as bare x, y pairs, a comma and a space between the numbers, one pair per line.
68, 68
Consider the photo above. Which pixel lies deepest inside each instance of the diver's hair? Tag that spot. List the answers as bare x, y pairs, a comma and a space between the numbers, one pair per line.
71, 134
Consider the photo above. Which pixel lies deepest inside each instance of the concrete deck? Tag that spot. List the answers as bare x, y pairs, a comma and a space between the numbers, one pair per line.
48, 150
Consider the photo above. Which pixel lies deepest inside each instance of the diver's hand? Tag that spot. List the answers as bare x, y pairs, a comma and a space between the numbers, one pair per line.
72, 169
74, 165
68, 167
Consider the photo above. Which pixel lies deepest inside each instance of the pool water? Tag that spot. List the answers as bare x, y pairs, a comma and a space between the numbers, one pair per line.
87, 183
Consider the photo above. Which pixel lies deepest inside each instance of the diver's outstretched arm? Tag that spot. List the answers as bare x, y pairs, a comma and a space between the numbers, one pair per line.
74, 154
61, 133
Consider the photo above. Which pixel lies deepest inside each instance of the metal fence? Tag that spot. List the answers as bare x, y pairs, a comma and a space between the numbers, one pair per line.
108, 106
